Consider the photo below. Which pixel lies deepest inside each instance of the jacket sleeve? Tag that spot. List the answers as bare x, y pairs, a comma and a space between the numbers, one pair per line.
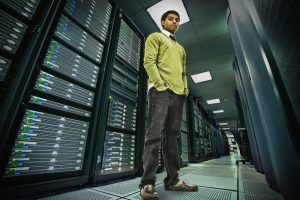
184, 75
150, 62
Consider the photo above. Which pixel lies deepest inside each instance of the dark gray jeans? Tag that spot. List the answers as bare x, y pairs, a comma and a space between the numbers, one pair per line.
163, 124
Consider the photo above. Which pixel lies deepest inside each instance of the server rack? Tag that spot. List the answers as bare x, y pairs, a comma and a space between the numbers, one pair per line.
19, 25
265, 75
216, 146
202, 126
194, 130
250, 107
207, 140
52, 144
195, 139
120, 136
183, 140
200, 132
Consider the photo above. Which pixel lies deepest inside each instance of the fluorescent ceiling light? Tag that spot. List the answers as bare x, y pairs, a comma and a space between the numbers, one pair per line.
157, 10
221, 124
205, 76
225, 129
213, 101
218, 111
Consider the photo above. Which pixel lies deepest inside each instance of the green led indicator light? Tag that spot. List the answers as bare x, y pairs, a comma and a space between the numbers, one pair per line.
30, 113
24, 137
36, 100
29, 121
15, 163
26, 128
20, 145
12, 172
18, 154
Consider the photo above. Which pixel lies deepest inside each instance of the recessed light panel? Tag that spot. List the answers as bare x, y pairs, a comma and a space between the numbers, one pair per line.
213, 101
218, 111
205, 76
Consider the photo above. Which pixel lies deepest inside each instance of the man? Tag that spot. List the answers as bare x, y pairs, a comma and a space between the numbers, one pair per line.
164, 62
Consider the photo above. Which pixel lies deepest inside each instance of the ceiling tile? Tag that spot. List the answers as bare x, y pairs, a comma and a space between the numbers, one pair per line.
222, 72
195, 52
225, 82
196, 67
147, 3
211, 26
218, 45
145, 23
129, 8
200, 8
220, 60
186, 35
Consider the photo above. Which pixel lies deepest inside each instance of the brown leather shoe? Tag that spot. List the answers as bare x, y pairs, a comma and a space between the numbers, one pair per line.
182, 186
148, 192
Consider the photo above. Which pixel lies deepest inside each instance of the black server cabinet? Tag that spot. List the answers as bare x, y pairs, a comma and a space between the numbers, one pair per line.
21, 29
196, 139
58, 119
215, 144
270, 67
253, 126
183, 139
250, 107
117, 149
207, 140
199, 132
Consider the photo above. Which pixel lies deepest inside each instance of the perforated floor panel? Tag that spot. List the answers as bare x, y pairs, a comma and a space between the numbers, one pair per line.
211, 181
257, 187
125, 188
246, 175
247, 196
186, 170
121, 189
217, 180
202, 194
216, 171
254, 184
86, 194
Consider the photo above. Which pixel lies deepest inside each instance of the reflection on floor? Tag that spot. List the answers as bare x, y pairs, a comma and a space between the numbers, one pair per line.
218, 179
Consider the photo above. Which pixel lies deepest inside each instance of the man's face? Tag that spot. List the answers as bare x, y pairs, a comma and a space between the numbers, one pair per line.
171, 23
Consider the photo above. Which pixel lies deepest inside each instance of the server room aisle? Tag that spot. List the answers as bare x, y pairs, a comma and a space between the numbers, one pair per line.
219, 179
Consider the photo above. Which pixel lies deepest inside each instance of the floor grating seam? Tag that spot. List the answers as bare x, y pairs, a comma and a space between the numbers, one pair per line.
115, 195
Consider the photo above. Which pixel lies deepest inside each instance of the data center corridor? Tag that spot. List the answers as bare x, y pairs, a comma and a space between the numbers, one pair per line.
74, 103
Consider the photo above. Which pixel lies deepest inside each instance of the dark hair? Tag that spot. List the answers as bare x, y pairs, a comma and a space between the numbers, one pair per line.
165, 15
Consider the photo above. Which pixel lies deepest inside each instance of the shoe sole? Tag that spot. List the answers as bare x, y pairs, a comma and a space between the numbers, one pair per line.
182, 190
149, 198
